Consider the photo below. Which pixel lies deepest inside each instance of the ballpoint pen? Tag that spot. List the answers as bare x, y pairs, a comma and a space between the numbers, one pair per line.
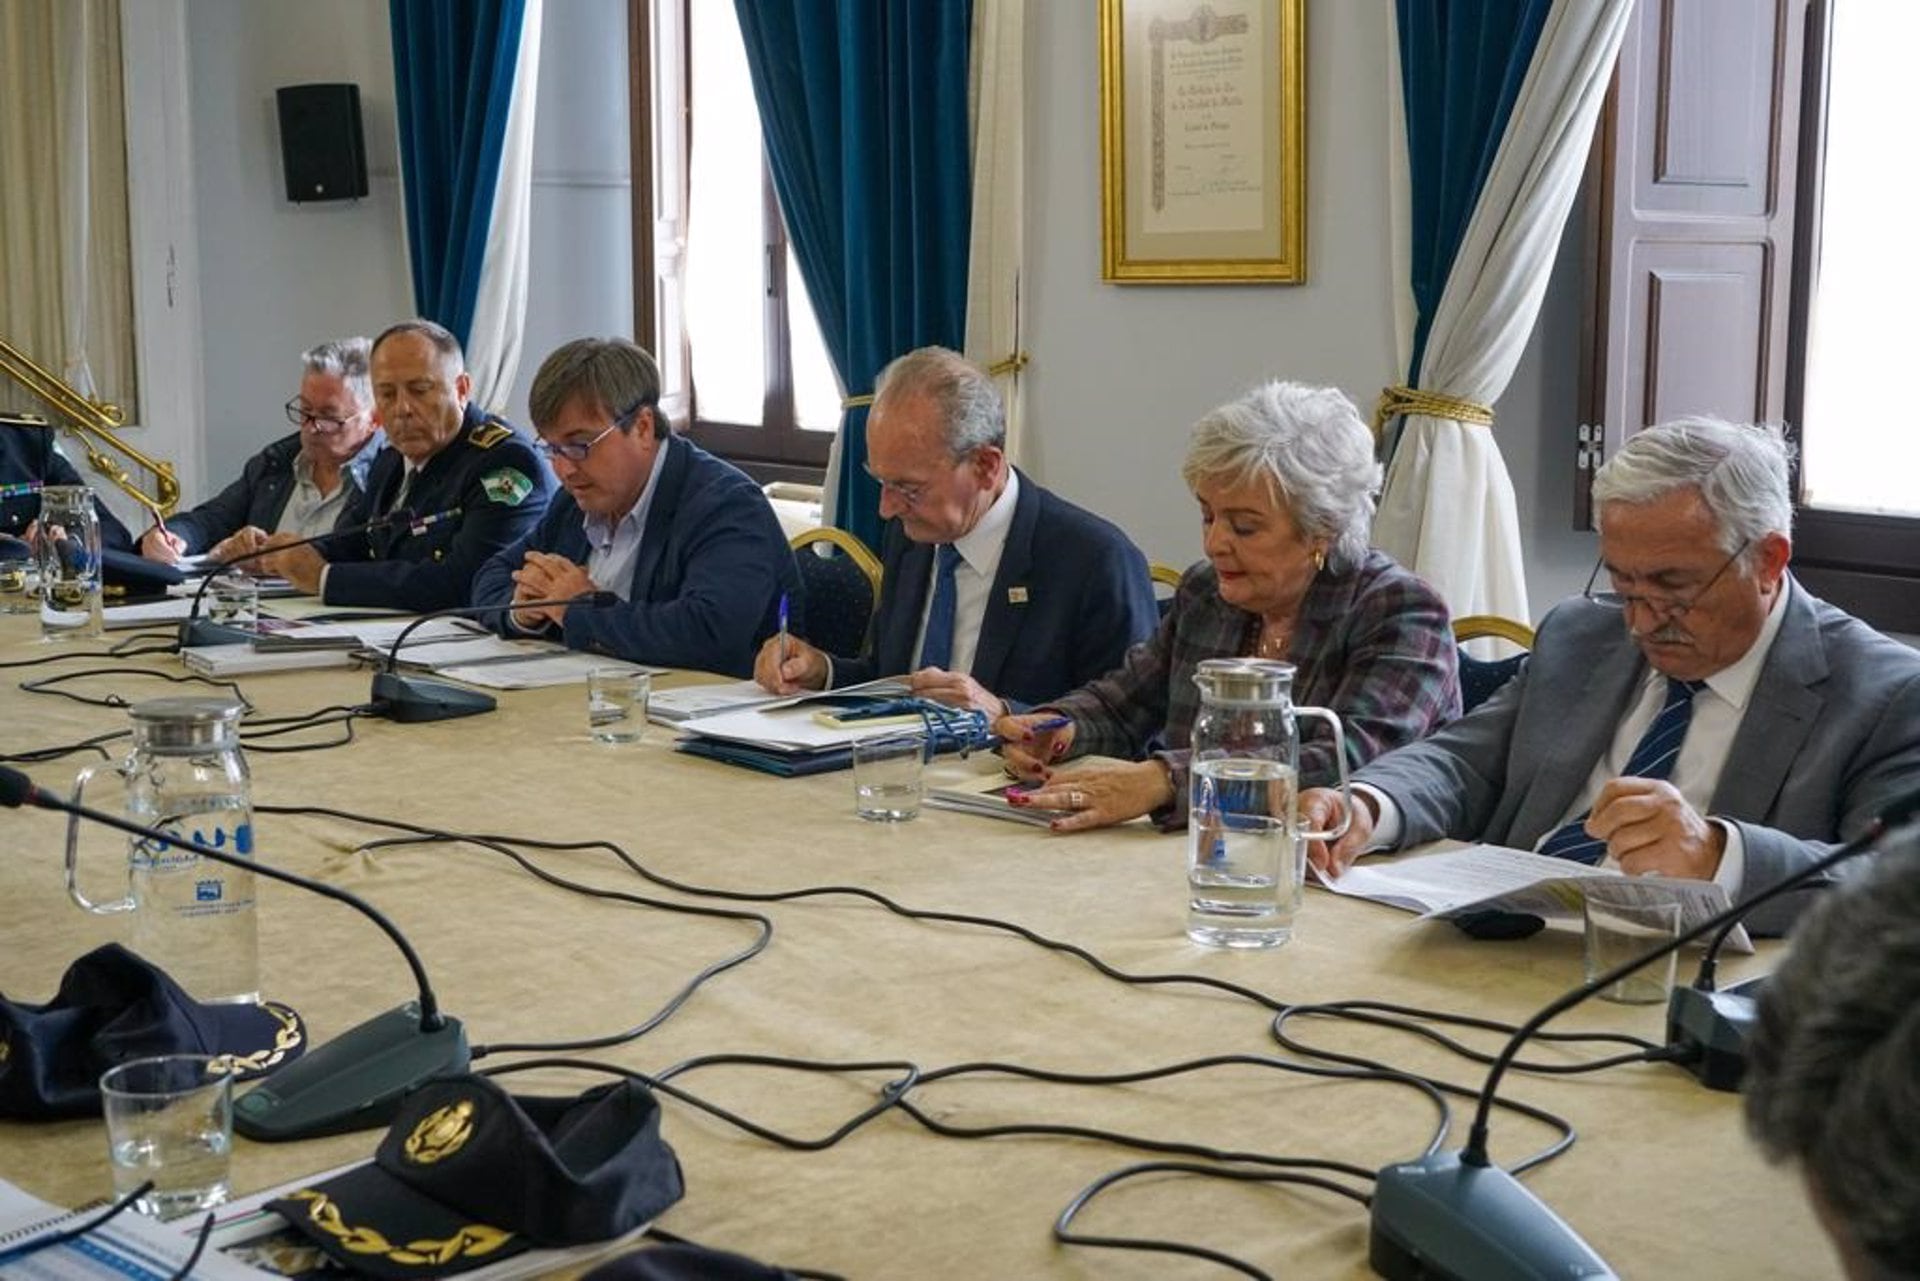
783, 629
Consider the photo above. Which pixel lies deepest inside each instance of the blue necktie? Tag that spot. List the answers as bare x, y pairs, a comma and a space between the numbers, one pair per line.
1652, 757
937, 649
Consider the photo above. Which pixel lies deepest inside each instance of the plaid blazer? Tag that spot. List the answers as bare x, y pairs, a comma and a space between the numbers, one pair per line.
1372, 642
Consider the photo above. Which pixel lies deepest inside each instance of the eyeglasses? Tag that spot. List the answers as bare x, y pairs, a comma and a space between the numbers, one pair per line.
576, 451
1661, 606
299, 415
909, 495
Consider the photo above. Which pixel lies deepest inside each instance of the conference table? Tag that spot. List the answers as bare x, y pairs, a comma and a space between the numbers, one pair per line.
1662, 1180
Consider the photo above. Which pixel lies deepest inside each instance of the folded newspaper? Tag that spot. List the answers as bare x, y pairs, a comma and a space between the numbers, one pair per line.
1453, 882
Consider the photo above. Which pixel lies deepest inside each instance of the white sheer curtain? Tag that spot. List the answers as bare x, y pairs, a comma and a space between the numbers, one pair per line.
1448, 509
996, 262
500, 307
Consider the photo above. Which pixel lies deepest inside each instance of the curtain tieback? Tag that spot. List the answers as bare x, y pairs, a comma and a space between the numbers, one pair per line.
1395, 401
1011, 365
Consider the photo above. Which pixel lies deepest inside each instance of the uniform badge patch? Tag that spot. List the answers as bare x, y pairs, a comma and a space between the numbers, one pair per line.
506, 487
490, 433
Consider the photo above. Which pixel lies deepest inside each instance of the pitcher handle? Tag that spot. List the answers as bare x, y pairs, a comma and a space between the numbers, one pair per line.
80, 782
1340, 759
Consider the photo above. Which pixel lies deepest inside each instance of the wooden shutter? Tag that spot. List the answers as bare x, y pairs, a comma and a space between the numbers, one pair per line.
1694, 181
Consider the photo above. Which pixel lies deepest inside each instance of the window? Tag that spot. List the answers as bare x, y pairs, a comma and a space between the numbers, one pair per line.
1750, 262
1857, 541
745, 369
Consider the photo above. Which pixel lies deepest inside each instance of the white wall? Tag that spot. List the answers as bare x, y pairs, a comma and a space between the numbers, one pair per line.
277, 277
1119, 372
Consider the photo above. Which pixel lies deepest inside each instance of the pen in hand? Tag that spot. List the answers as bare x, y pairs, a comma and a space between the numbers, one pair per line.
784, 649
1047, 726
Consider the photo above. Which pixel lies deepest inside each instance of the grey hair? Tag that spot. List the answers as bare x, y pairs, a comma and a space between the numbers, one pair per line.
1740, 470
346, 359
969, 403
1310, 445
439, 335
1833, 1068
615, 375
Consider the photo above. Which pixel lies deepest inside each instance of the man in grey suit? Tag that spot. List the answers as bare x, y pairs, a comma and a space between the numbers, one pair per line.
1707, 718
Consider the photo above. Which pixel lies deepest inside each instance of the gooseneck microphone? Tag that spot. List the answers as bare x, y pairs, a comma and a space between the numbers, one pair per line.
195, 630
413, 699
1455, 1216
352, 1082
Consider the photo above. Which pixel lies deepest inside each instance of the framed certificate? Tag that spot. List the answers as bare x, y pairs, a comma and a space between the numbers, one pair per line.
1202, 141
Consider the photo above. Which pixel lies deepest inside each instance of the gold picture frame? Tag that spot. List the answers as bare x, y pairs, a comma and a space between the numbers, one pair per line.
1202, 141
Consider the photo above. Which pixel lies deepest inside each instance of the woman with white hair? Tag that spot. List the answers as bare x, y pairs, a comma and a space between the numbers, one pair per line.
1285, 478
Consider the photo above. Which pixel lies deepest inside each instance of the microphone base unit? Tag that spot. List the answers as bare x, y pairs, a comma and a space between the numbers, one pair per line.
411, 699
1441, 1219
198, 632
1713, 1029
353, 1082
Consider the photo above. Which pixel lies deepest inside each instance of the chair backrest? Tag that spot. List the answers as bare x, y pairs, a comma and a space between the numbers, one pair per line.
1164, 576
1481, 677
842, 582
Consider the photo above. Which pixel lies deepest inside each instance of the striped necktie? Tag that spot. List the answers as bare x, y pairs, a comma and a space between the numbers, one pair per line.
937, 649
1652, 757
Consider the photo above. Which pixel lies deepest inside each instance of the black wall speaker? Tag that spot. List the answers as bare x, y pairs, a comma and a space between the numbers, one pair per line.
321, 145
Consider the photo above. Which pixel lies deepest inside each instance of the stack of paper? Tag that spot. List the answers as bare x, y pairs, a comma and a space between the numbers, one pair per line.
128, 1247
788, 736
1450, 883
244, 660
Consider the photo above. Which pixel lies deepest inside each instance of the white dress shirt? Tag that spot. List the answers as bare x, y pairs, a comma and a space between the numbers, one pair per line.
616, 544
310, 513
979, 549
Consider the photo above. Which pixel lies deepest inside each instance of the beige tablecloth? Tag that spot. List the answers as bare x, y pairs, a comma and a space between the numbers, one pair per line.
1662, 1180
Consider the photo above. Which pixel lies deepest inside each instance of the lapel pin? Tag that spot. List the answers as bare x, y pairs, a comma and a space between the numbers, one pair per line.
1016, 595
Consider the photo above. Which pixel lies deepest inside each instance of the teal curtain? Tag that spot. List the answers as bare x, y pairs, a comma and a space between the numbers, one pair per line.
454, 64
1461, 66
863, 104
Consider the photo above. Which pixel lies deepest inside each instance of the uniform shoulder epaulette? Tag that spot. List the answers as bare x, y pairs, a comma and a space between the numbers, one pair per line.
489, 433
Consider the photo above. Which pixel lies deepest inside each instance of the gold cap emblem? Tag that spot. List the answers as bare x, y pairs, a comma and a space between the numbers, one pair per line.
440, 1133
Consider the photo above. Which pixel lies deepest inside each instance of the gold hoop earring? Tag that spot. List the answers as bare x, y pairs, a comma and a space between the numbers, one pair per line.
1319, 559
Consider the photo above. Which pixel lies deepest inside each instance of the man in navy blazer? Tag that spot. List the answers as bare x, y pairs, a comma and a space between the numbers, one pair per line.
1804, 723
685, 540
1039, 596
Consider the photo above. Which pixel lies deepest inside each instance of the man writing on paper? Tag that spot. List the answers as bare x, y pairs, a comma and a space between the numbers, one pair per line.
685, 540
302, 483
1705, 718
996, 594
446, 457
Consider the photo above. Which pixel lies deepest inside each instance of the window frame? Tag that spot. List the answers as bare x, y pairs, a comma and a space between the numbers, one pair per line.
1868, 564
777, 447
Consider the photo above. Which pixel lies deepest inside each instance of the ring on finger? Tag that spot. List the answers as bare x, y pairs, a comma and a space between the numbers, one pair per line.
1077, 799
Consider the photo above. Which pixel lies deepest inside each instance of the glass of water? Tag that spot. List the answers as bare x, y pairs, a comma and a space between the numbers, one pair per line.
617, 704
233, 600
1626, 920
1245, 869
887, 776
170, 1122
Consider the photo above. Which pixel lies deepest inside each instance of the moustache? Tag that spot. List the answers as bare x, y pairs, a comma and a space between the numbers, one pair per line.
1666, 634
